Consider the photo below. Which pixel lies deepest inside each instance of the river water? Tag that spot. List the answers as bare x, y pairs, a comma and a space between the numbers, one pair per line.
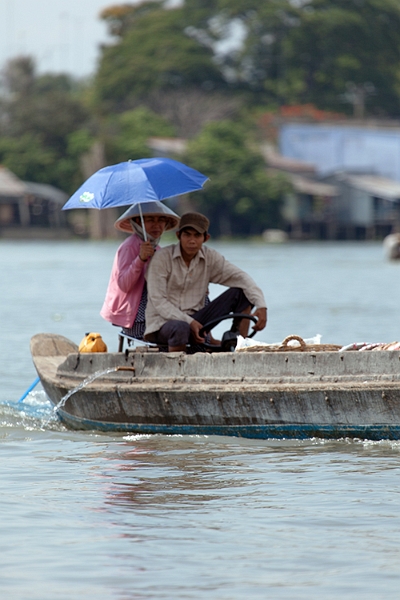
125, 517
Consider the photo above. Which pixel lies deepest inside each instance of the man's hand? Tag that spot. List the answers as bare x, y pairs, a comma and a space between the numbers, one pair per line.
146, 251
195, 327
261, 314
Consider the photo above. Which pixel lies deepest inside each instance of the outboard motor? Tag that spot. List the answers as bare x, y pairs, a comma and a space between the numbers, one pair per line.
229, 338
229, 341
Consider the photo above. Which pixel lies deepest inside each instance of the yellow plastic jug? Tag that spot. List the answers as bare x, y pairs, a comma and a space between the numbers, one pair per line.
92, 342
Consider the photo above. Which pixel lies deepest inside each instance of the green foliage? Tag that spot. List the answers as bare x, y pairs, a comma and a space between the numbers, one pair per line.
240, 198
342, 46
123, 17
336, 54
31, 160
332, 53
154, 53
44, 126
27, 158
79, 142
130, 132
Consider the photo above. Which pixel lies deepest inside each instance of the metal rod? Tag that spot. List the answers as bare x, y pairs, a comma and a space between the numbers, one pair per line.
142, 221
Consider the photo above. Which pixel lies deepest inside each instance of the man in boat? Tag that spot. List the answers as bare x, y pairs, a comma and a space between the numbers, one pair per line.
177, 282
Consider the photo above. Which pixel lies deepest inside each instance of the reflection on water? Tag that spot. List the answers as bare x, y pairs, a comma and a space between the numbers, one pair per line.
190, 477
239, 518
201, 517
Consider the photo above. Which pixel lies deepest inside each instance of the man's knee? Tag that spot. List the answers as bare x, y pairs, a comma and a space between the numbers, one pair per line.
237, 301
174, 334
240, 297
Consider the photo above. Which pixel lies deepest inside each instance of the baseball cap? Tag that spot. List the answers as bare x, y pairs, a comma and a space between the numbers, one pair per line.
194, 220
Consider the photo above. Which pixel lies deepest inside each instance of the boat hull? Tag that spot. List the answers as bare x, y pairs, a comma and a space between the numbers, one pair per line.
263, 395
267, 431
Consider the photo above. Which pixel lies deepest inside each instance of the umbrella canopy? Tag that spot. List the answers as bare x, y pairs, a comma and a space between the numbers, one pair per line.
136, 181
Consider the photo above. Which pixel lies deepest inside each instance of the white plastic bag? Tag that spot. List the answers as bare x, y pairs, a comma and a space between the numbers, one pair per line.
248, 342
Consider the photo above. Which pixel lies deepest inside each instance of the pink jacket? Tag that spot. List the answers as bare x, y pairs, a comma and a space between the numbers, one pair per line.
126, 284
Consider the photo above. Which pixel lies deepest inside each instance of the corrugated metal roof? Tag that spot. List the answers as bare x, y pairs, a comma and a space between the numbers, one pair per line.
10, 184
284, 163
46, 191
13, 187
381, 187
314, 188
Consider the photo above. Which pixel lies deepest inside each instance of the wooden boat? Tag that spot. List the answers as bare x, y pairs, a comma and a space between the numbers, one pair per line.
285, 394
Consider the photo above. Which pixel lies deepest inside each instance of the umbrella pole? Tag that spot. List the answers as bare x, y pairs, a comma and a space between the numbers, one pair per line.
142, 222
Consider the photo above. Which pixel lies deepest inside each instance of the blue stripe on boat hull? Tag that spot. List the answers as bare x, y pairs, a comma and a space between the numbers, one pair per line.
293, 431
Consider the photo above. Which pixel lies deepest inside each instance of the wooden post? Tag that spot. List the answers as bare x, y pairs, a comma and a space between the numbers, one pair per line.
23, 208
101, 222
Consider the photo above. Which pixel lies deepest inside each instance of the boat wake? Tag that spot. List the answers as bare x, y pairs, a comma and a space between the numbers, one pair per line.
34, 413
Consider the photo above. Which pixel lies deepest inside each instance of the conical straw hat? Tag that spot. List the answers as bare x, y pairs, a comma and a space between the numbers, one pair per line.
147, 208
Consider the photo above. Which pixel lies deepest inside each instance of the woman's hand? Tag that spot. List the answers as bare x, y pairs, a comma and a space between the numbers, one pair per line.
146, 251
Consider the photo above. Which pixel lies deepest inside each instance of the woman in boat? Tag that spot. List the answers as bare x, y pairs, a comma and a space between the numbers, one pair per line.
126, 297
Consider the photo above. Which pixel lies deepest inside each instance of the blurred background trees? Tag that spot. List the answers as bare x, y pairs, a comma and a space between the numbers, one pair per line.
204, 71
44, 125
241, 198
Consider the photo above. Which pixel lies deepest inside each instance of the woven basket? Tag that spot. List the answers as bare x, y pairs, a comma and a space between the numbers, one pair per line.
284, 347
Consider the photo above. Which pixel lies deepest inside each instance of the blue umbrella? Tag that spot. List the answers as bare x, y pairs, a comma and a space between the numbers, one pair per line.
136, 181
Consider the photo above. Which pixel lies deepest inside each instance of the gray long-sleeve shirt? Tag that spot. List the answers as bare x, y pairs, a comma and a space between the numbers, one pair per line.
175, 291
